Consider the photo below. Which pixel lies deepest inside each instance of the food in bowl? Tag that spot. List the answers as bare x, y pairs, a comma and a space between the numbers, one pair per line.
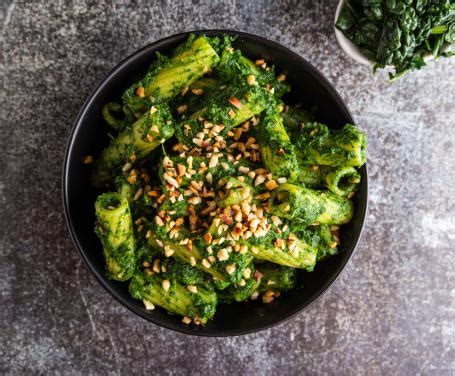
215, 189
399, 33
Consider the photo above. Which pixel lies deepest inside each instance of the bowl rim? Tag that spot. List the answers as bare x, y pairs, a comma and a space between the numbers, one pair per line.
155, 46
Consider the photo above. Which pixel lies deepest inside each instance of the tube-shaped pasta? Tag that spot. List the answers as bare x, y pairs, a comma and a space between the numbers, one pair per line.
230, 108
293, 252
111, 120
151, 130
340, 180
192, 60
114, 227
294, 118
199, 304
197, 94
309, 206
234, 67
319, 145
277, 151
196, 256
276, 277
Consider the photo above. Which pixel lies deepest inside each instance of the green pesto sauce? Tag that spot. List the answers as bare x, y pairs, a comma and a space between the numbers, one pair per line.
206, 82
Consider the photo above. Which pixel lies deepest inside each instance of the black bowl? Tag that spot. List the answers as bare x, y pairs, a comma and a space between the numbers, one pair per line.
89, 136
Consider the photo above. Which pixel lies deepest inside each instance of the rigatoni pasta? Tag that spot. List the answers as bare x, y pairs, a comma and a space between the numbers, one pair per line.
218, 190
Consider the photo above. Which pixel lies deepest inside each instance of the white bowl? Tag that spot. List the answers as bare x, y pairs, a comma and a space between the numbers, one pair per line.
355, 52
347, 46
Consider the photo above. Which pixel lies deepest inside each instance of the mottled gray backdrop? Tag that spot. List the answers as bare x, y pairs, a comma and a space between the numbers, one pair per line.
393, 309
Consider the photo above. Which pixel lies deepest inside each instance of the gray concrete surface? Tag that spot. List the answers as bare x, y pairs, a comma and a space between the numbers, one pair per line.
391, 312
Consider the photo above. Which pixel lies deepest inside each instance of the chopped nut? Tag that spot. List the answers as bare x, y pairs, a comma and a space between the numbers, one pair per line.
192, 288
231, 113
127, 166
159, 221
213, 161
168, 251
88, 159
166, 285
271, 185
153, 109
222, 254
156, 266
140, 92
206, 264
197, 91
138, 194
149, 306
181, 109
192, 261
181, 169
230, 268
259, 180
269, 295
186, 320
259, 62
250, 79
254, 295
281, 77
170, 180
207, 237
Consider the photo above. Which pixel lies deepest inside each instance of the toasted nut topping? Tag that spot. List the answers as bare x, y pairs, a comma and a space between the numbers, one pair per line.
206, 264
181, 109
235, 102
222, 254
207, 237
197, 91
192, 289
231, 113
166, 285
186, 320
271, 185
159, 221
149, 306
126, 167
168, 251
281, 77
230, 268
140, 92
259, 180
88, 159
156, 266
138, 194
259, 62
250, 79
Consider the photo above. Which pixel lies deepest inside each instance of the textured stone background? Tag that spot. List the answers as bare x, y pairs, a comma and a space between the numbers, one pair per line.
392, 311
